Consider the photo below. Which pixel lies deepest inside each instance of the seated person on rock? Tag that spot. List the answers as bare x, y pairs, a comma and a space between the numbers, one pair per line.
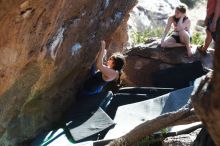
102, 74
181, 34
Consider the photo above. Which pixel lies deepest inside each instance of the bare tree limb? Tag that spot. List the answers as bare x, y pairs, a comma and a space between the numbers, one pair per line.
185, 115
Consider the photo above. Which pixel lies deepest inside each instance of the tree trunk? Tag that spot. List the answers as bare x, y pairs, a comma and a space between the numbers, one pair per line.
183, 116
206, 99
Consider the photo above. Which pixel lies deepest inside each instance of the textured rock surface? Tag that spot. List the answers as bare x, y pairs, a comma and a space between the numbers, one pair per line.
118, 41
181, 140
151, 14
46, 48
143, 61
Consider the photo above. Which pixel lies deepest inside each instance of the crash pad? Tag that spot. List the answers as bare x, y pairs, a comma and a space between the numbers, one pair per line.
51, 138
145, 90
129, 116
89, 128
130, 95
97, 123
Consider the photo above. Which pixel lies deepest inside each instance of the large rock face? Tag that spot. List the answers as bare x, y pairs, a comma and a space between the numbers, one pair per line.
46, 48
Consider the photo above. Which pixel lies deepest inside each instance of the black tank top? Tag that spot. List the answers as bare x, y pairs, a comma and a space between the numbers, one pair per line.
95, 83
177, 19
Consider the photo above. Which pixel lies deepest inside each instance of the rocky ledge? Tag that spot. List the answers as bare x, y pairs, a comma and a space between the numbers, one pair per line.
146, 59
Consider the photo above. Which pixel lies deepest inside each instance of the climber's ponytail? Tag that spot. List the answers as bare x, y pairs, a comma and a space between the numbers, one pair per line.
119, 62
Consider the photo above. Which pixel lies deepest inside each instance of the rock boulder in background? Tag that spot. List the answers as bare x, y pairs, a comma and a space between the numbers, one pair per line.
144, 61
151, 14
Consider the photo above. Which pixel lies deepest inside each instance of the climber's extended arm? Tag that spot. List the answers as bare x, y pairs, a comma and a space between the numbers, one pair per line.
109, 74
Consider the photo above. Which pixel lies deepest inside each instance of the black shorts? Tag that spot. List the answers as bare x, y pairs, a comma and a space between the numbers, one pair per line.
177, 38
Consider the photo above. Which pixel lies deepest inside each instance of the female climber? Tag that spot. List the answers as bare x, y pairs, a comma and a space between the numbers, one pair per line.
181, 34
102, 74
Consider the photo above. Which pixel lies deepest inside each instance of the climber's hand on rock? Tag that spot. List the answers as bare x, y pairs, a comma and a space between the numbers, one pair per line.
103, 44
105, 52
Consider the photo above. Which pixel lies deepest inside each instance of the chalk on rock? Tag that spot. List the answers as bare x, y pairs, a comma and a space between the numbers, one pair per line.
76, 48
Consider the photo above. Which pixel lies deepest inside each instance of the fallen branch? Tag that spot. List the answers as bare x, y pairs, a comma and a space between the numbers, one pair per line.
185, 115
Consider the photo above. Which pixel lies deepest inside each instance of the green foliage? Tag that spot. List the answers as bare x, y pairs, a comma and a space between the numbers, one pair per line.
164, 131
148, 141
198, 38
141, 37
145, 142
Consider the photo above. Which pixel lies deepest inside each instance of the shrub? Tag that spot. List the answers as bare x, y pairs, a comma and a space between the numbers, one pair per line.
147, 141
141, 37
197, 38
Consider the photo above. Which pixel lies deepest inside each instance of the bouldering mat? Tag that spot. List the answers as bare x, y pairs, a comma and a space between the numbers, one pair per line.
145, 90
97, 123
180, 76
129, 116
84, 125
51, 138
129, 95
90, 128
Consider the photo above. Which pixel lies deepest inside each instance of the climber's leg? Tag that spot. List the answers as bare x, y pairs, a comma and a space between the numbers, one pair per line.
185, 39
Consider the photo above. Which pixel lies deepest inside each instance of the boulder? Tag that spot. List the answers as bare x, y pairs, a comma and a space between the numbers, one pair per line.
46, 49
145, 60
182, 140
151, 14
